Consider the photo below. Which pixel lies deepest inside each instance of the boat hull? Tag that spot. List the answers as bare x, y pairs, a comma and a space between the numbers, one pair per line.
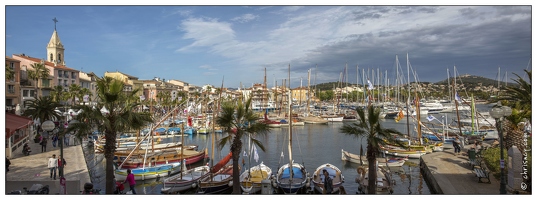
318, 178
294, 185
184, 181
147, 173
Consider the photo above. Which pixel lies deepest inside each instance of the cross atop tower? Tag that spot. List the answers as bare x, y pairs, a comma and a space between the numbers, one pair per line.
55, 20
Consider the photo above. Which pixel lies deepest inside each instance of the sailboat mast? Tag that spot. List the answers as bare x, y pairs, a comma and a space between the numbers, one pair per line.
408, 98
290, 126
456, 102
309, 96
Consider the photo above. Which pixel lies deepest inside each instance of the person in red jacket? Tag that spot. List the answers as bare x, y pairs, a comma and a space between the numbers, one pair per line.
130, 179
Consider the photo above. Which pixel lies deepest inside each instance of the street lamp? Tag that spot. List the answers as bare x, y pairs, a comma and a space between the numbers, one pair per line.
499, 113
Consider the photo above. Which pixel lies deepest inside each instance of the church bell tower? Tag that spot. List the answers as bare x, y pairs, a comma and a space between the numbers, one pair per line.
55, 50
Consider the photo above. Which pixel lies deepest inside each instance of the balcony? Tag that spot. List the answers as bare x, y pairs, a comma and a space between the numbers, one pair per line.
66, 75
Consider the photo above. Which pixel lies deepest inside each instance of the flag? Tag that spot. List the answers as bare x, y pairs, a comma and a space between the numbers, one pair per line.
245, 155
256, 156
370, 87
399, 116
431, 118
142, 97
457, 97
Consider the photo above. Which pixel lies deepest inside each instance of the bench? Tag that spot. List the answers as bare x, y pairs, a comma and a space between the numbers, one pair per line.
482, 172
475, 163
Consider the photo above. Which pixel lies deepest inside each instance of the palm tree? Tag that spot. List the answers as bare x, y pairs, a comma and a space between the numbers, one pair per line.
376, 135
239, 120
74, 92
121, 117
83, 92
57, 93
10, 73
39, 72
519, 98
42, 108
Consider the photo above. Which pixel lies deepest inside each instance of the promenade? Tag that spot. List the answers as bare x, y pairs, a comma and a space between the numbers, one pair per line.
447, 173
27, 170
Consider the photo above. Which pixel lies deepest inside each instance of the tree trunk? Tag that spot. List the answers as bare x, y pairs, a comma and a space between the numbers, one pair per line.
236, 152
372, 171
109, 149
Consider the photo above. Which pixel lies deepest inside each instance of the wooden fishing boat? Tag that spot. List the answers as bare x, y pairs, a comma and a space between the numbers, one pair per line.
401, 152
251, 179
334, 173
184, 181
149, 172
354, 158
384, 181
158, 158
219, 178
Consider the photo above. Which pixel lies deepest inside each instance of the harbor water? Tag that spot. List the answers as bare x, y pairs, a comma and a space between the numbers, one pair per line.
313, 145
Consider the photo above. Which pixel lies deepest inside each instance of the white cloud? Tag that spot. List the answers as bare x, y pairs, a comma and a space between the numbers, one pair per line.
207, 67
245, 18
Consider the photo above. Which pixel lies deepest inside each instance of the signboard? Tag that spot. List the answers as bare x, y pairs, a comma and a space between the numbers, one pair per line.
48, 126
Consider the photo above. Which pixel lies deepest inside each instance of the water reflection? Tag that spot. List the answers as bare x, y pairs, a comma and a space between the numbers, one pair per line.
313, 145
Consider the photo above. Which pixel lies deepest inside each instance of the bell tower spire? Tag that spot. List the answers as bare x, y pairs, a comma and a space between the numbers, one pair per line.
55, 50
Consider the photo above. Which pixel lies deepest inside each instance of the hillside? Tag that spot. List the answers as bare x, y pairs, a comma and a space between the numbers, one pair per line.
467, 80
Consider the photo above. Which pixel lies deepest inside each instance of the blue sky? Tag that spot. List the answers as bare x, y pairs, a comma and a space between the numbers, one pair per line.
205, 44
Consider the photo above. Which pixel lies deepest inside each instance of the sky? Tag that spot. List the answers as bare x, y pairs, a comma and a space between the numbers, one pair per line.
237, 44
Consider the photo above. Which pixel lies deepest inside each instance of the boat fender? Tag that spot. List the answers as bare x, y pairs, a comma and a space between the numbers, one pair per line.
230, 183
194, 185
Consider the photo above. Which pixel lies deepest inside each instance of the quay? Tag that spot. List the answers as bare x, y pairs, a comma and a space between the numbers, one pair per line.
447, 173
32, 169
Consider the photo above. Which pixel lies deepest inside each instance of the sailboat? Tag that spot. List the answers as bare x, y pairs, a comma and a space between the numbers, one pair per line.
186, 180
220, 177
292, 178
251, 179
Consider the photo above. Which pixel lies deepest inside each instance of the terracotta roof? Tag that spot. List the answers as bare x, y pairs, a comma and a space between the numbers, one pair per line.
15, 122
11, 59
47, 63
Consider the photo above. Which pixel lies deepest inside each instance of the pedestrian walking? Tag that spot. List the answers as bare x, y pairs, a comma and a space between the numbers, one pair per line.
52, 165
43, 145
54, 140
457, 145
66, 140
61, 165
130, 180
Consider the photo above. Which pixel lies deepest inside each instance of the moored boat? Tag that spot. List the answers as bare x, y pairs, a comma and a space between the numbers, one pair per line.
334, 173
391, 162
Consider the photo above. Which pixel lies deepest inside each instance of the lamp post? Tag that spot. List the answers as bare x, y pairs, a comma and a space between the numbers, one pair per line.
499, 113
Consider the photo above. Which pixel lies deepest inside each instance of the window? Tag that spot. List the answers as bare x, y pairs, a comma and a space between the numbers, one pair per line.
12, 66
25, 93
59, 57
66, 74
60, 74
51, 58
65, 83
33, 93
59, 81
11, 89
73, 75
73, 82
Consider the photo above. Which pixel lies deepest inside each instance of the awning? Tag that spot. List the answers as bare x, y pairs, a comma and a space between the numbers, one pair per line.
15, 122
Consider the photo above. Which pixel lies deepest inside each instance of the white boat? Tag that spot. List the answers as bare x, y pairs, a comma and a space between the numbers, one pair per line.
392, 162
384, 181
332, 118
251, 179
334, 173
184, 181
314, 120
